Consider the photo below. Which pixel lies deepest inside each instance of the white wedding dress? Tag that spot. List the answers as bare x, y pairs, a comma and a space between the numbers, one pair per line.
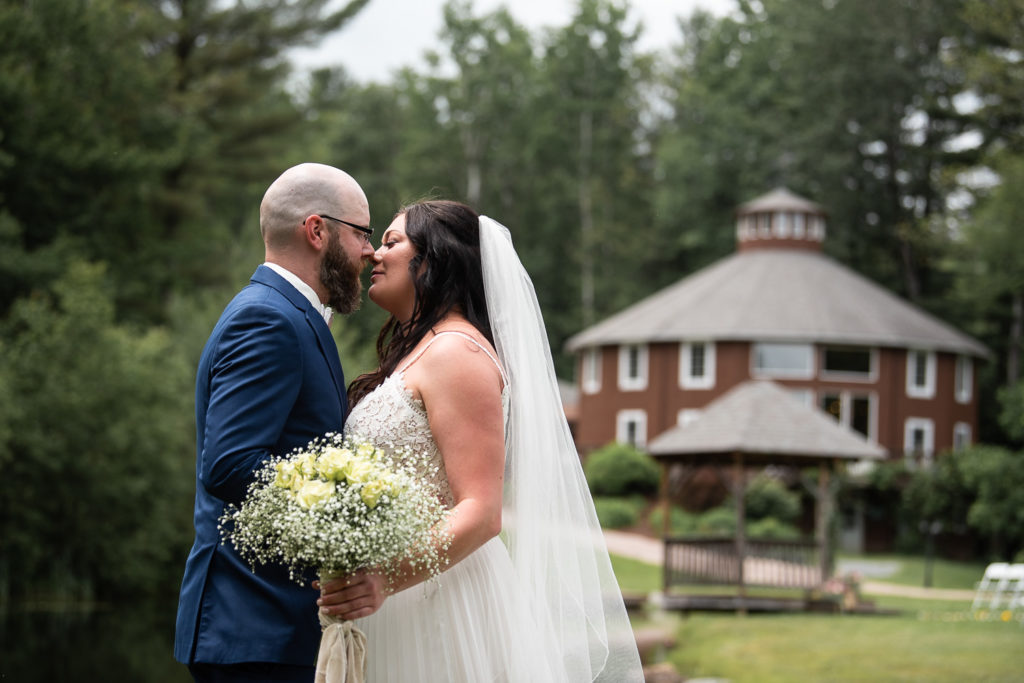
470, 624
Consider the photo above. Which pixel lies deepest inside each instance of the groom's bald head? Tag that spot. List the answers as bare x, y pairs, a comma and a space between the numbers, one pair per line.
304, 190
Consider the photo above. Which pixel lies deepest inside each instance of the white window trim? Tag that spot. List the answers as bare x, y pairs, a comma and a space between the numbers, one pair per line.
962, 429
787, 374
926, 425
707, 380
928, 390
869, 378
591, 370
622, 420
627, 383
966, 390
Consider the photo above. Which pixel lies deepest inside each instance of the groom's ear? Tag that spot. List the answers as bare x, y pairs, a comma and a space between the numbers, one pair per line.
315, 232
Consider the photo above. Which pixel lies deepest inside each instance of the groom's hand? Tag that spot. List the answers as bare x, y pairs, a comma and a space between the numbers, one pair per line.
352, 597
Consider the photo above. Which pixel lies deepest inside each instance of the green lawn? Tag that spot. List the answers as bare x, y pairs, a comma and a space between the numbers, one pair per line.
945, 573
938, 648
929, 640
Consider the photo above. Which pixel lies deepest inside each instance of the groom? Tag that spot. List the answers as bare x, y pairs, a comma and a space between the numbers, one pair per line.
269, 380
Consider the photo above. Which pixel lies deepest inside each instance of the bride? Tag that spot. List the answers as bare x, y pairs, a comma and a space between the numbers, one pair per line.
465, 374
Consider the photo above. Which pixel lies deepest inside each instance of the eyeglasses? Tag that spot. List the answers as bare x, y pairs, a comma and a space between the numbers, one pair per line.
367, 232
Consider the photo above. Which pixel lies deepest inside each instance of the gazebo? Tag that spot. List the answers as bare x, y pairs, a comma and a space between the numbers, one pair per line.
755, 425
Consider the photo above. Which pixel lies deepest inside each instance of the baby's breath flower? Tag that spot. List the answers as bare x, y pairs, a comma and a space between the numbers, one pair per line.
338, 506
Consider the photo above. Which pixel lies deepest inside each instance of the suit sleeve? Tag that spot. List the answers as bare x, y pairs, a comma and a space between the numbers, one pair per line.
254, 381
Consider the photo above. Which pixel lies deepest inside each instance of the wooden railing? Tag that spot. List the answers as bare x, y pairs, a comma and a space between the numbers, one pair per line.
776, 563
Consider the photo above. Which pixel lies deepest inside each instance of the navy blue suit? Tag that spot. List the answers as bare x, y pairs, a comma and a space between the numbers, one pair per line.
269, 380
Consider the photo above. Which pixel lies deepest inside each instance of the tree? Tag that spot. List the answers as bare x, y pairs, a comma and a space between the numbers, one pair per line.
595, 76
995, 71
850, 103
145, 134
96, 447
980, 488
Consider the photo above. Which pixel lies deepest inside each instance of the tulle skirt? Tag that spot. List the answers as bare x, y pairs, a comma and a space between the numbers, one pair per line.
470, 625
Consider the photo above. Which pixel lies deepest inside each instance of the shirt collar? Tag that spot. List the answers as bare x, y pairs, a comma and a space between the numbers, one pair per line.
304, 289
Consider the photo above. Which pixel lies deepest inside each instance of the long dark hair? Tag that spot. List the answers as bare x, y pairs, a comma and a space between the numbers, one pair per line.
447, 277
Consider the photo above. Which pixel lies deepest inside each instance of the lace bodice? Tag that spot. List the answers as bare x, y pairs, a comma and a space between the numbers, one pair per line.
391, 415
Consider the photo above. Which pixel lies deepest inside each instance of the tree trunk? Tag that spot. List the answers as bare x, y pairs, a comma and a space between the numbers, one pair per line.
586, 208
1013, 346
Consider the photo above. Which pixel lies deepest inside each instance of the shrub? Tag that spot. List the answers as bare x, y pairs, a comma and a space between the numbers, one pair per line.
680, 522
719, 521
619, 470
769, 527
767, 497
616, 513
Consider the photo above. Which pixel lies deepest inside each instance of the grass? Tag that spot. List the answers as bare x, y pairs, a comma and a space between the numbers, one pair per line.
635, 576
929, 640
783, 648
945, 573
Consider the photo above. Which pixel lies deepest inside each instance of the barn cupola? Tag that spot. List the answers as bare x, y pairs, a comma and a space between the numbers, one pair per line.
780, 219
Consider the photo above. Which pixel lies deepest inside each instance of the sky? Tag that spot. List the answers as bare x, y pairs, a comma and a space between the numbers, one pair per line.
391, 34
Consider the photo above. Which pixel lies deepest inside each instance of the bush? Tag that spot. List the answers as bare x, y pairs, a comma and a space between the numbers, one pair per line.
620, 470
766, 497
617, 513
680, 522
769, 527
719, 521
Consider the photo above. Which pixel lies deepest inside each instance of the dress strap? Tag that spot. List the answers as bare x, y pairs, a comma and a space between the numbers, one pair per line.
468, 337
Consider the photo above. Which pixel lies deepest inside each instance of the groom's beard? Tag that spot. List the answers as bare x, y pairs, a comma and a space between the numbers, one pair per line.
340, 276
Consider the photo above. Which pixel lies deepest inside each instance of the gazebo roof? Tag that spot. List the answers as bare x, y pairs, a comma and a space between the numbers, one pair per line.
783, 295
765, 423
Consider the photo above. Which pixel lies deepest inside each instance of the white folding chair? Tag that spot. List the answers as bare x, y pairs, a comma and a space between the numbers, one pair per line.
986, 593
1015, 588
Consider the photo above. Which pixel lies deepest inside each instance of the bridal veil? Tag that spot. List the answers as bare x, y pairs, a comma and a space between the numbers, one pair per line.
550, 526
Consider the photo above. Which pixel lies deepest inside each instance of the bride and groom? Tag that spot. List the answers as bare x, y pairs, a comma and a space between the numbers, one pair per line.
465, 374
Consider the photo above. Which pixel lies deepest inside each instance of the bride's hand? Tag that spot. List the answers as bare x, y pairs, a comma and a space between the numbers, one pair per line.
352, 597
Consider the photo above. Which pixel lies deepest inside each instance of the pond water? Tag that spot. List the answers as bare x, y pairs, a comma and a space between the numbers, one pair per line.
122, 643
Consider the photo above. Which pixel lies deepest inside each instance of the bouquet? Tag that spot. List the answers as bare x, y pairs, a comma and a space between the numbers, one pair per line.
336, 506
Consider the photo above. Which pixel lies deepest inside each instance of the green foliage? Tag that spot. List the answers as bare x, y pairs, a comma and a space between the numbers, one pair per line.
995, 477
680, 522
980, 488
97, 447
847, 102
618, 513
767, 497
1011, 416
718, 521
770, 527
619, 470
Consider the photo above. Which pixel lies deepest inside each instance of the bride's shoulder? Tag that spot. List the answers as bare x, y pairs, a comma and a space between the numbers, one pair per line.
459, 354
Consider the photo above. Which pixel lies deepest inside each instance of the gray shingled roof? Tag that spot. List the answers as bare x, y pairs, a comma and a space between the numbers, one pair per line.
759, 417
776, 294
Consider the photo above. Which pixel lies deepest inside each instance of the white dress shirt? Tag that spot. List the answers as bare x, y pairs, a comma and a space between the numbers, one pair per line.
304, 289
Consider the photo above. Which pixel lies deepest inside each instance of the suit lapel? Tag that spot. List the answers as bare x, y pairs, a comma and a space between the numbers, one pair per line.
266, 276
330, 351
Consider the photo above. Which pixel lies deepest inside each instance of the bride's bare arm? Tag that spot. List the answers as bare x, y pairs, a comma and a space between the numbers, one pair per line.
461, 390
